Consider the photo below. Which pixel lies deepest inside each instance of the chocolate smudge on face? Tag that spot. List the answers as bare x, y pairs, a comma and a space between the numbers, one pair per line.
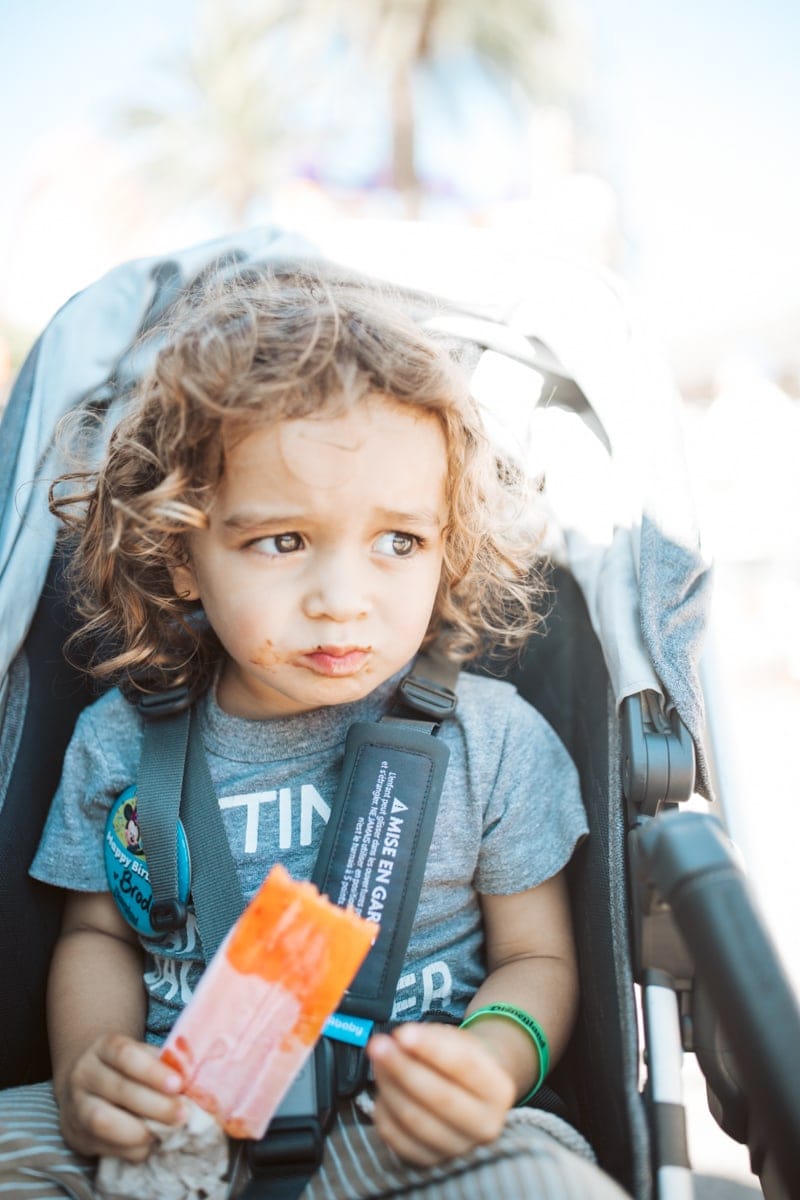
266, 656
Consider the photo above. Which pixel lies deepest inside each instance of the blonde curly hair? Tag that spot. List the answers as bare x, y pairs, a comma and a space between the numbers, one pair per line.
255, 346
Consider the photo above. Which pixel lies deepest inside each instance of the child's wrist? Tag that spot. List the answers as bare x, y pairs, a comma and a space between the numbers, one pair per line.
511, 1015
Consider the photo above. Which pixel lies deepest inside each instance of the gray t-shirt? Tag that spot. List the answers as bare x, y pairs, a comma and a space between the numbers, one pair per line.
510, 817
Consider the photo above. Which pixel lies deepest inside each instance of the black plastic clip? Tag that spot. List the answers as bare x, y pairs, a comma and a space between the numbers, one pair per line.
168, 915
155, 705
432, 699
296, 1145
658, 762
285, 1158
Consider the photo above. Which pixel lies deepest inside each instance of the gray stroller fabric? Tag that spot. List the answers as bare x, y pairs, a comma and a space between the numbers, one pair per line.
614, 477
630, 531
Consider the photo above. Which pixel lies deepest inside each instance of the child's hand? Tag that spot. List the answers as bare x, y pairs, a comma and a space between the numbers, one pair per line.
108, 1093
440, 1091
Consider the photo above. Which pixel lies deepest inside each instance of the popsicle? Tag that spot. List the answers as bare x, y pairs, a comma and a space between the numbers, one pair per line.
262, 1001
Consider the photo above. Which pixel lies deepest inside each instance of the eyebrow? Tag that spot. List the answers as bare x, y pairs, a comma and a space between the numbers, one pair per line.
251, 518
255, 518
423, 516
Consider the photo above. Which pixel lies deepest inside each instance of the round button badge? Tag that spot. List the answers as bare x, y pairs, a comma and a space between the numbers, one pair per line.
126, 865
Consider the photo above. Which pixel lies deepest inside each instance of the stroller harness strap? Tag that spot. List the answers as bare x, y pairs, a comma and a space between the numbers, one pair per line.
372, 857
375, 846
175, 783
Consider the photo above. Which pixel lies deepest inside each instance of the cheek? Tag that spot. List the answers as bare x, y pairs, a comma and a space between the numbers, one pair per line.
266, 655
414, 605
250, 628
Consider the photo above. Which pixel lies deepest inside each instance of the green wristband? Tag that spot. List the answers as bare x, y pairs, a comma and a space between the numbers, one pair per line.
531, 1027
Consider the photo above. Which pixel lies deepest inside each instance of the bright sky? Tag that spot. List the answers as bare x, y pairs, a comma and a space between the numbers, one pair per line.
696, 108
700, 103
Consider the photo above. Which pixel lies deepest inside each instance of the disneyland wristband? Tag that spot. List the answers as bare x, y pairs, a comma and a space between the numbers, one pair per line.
531, 1027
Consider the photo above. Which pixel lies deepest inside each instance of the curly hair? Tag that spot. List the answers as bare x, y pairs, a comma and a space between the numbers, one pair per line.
246, 348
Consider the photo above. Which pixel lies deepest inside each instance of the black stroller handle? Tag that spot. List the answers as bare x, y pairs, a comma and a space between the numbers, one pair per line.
686, 858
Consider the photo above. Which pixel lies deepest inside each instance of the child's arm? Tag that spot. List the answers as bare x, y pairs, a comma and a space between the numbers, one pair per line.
106, 1079
443, 1090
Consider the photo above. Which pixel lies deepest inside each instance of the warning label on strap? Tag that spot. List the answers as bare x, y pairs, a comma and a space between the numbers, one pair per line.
374, 847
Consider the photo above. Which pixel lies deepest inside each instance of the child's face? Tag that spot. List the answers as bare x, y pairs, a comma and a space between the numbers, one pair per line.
321, 563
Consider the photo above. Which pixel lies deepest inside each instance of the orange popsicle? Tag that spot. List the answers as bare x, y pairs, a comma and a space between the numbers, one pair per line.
263, 999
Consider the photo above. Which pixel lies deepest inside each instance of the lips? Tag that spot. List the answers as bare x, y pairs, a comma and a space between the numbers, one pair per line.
336, 661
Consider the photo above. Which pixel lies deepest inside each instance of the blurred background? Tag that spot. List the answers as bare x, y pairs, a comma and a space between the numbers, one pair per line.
660, 141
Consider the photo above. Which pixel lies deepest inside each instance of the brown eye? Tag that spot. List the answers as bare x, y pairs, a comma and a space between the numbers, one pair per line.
280, 543
285, 543
396, 544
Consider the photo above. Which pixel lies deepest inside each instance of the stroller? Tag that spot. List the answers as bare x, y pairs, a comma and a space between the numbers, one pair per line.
672, 953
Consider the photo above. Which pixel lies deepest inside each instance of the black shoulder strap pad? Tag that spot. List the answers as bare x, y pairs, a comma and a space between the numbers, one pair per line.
376, 843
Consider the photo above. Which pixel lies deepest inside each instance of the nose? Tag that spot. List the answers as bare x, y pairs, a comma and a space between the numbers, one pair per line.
336, 590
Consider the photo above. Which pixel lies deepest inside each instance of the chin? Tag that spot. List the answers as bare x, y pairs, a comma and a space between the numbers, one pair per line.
347, 690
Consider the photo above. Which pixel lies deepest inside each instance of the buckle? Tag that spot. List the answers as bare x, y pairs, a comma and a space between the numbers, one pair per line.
351, 1068
293, 1143
168, 915
432, 699
155, 705
290, 1144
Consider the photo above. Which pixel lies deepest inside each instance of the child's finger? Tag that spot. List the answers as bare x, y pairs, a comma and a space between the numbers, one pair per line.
421, 1134
452, 1052
418, 1093
135, 1098
123, 1133
421, 1142
140, 1062
94, 1126
127, 1075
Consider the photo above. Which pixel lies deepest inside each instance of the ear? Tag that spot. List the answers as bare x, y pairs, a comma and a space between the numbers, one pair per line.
184, 582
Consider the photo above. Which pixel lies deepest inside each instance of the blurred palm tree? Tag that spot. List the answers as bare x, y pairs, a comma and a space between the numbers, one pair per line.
221, 132
531, 48
239, 114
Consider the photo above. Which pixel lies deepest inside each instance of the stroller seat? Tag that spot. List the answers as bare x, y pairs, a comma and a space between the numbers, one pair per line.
563, 371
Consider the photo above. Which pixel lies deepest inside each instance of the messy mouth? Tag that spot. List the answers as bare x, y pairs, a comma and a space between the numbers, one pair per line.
336, 661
